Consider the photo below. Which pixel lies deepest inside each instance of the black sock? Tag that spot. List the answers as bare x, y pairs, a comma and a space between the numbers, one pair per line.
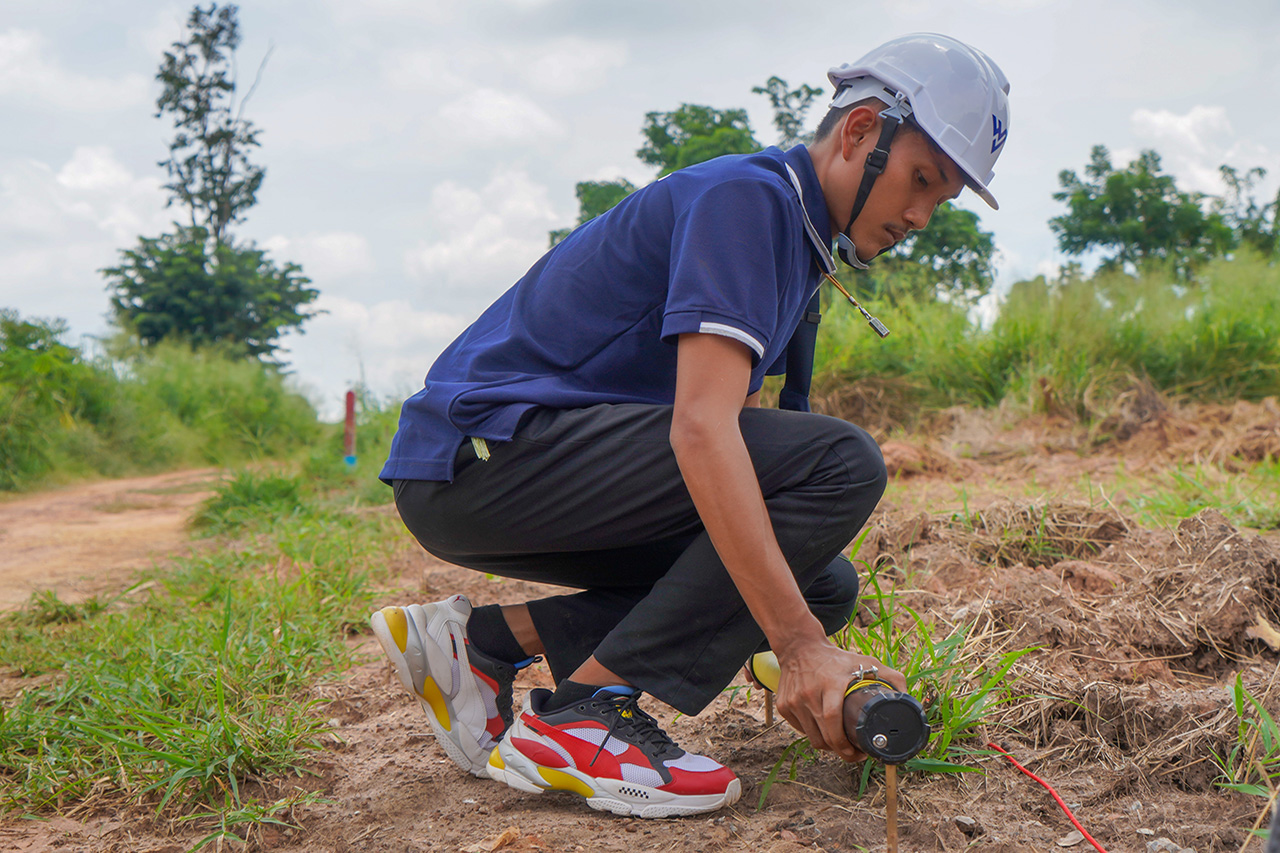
489, 632
567, 693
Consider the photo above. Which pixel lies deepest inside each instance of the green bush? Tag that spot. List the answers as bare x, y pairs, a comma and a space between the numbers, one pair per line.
246, 499
1070, 347
64, 416
43, 385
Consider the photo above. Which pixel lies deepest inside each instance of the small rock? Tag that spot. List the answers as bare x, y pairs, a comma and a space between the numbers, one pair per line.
967, 825
1165, 845
1071, 839
335, 723
1145, 831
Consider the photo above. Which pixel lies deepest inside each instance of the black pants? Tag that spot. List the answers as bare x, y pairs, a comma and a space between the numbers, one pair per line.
593, 499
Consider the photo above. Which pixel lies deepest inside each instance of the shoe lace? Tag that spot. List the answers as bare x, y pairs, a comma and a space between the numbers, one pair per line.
629, 721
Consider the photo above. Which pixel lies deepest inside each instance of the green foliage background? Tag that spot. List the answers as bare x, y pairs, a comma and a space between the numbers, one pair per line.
1072, 347
65, 416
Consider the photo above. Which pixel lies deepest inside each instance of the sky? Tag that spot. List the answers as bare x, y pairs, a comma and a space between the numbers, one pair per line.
418, 151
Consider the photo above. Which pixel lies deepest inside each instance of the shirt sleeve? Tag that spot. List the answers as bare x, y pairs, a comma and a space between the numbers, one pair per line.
729, 262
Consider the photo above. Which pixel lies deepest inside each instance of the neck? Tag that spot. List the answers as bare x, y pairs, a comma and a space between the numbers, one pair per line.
826, 156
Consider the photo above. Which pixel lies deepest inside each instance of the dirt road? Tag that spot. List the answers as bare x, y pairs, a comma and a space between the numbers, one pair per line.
91, 539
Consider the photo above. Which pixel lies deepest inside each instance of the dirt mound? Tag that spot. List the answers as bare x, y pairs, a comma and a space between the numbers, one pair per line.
1138, 632
1078, 577
905, 459
1233, 436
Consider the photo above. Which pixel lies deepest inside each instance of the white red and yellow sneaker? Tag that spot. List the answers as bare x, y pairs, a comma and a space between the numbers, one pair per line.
612, 753
465, 693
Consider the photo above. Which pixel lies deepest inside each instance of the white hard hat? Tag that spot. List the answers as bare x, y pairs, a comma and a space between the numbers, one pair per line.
957, 96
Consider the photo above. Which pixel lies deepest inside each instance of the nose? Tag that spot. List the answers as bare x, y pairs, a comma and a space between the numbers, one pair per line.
916, 217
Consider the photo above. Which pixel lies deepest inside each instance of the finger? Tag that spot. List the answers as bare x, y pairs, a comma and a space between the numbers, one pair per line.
897, 679
804, 723
832, 725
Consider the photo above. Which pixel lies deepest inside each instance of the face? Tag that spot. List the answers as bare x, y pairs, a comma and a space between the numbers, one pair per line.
917, 178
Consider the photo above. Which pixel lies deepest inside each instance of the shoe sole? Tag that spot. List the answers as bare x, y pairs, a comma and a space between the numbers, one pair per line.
400, 632
508, 765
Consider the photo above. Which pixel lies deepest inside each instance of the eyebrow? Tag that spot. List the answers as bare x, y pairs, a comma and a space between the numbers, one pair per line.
937, 164
938, 157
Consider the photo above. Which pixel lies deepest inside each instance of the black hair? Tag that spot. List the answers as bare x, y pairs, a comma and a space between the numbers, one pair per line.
835, 115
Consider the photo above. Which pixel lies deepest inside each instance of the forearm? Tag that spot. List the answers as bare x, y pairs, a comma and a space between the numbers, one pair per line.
711, 386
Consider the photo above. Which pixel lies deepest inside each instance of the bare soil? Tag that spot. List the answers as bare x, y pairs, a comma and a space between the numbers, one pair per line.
997, 525
90, 539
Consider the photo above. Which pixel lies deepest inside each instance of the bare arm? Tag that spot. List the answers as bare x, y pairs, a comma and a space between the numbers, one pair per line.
712, 376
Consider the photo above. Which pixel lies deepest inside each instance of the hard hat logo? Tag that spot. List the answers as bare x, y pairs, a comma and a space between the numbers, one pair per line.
998, 134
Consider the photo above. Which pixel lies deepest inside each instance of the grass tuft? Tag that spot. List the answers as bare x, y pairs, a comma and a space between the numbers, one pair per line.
200, 687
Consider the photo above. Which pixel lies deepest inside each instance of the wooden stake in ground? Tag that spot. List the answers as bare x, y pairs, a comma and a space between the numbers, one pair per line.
891, 806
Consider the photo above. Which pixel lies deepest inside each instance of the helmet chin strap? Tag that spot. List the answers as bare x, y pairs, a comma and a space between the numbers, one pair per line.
893, 117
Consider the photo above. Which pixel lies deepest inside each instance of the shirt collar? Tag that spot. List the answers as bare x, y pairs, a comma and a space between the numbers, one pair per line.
817, 223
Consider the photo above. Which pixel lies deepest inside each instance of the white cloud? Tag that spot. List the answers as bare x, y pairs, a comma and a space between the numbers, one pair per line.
387, 345
492, 235
393, 324
336, 256
567, 65
1194, 144
488, 117
434, 71
168, 26
91, 189
58, 227
27, 73
92, 170
435, 12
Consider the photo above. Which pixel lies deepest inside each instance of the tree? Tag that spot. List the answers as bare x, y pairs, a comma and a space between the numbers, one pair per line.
198, 284
1254, 224
175, 285
1137, 215
209, 168
689, 134
694, 134
595, 198
953, 257
789, 107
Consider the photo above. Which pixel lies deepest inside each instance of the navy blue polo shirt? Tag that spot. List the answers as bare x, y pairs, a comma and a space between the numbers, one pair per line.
727, 247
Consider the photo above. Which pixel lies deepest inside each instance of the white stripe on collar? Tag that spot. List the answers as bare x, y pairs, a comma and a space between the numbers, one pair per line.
819, 245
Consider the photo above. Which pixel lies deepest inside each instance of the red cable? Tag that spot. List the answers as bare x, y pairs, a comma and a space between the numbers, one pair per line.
1049, 788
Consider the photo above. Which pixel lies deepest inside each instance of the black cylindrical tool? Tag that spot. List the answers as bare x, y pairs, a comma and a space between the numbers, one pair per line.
884, 723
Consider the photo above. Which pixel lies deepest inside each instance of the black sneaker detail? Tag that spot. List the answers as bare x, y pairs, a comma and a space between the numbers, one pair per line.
618, 708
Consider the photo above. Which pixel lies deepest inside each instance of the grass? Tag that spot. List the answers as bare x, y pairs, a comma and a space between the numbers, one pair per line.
66, 416
1248, 498
191, 693
1084, 348
1252, 764
246, 498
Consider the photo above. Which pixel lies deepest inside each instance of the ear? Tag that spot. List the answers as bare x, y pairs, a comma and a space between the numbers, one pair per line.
861, 123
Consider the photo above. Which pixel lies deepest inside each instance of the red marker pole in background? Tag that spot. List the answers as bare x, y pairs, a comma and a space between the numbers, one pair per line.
349, 432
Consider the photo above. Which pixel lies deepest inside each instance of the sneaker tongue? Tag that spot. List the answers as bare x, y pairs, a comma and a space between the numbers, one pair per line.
638, 722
